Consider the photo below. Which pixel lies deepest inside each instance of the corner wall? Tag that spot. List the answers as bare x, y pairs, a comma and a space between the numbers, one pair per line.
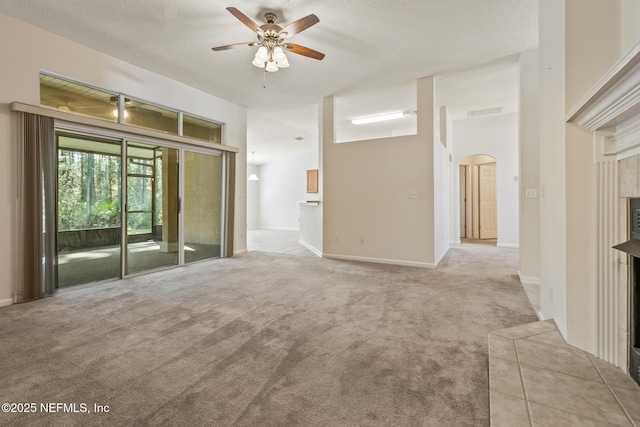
529, 159
368, 213
253, 207
26, 50
552, 163
442, 161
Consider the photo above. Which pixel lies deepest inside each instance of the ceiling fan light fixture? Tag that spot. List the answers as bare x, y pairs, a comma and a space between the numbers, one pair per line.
284, 63
258, 63
278, 54
271, 66
262, 54
270, 55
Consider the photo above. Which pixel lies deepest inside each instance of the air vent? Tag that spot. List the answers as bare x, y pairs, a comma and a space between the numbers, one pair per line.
484, 112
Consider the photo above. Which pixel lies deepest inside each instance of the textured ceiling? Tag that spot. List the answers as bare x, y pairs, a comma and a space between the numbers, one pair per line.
368, 44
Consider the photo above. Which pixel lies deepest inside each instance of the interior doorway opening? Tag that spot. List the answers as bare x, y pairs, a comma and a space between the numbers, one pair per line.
478, 198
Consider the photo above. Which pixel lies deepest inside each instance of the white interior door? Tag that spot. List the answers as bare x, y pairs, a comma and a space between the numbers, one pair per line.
463, 201
488, 201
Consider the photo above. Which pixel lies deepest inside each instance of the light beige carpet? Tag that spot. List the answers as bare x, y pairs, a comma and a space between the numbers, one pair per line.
267, 340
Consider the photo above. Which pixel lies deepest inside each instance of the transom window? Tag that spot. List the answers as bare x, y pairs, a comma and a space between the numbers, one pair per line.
78, 98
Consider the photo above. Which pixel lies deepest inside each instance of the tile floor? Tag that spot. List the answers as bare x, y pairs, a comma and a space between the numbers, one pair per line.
537, 379
280, 241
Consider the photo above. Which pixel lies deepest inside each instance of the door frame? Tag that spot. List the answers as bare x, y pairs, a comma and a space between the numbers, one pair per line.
472, 162
464, 225
480, 166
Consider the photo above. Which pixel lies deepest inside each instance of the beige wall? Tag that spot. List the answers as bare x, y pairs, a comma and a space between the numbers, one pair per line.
592, 44
629, 28
366, 192
529, 153
25, 51
553, 257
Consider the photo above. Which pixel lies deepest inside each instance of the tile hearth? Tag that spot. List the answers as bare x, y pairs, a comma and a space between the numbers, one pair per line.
537, 379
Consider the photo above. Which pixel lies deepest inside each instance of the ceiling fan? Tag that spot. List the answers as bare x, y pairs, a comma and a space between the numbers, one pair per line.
113, 104
271, 39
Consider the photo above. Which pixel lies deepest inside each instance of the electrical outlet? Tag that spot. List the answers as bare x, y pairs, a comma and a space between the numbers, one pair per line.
362, 240
530, 193
413, 194
336, 239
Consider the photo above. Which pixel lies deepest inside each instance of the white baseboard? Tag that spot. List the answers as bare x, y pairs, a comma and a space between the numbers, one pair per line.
5, 302
311, 248
508, 245
529, 280
455, 243
240, 252
381, 261
440, 259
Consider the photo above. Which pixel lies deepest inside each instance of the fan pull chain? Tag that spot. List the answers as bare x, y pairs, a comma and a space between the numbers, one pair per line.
264, 79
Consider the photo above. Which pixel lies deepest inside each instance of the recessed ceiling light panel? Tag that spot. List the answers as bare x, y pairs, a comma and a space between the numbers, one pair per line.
378, 118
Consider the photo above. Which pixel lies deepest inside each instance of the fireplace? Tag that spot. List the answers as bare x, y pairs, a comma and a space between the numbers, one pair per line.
634, 320
610, 111
632, 248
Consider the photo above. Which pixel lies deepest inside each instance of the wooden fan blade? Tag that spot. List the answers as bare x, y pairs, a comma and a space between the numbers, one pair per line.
233, 46
300, 25
304, 51
244, 19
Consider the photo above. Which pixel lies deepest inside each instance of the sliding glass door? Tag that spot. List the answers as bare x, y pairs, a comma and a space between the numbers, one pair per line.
152, 207
88, 209
202, 206
170, 200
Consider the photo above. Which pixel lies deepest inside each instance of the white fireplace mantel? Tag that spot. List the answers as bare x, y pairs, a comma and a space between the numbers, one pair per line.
611, 112
611, 109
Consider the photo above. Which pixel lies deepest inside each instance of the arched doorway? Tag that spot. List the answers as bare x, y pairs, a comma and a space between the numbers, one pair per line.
478, 198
